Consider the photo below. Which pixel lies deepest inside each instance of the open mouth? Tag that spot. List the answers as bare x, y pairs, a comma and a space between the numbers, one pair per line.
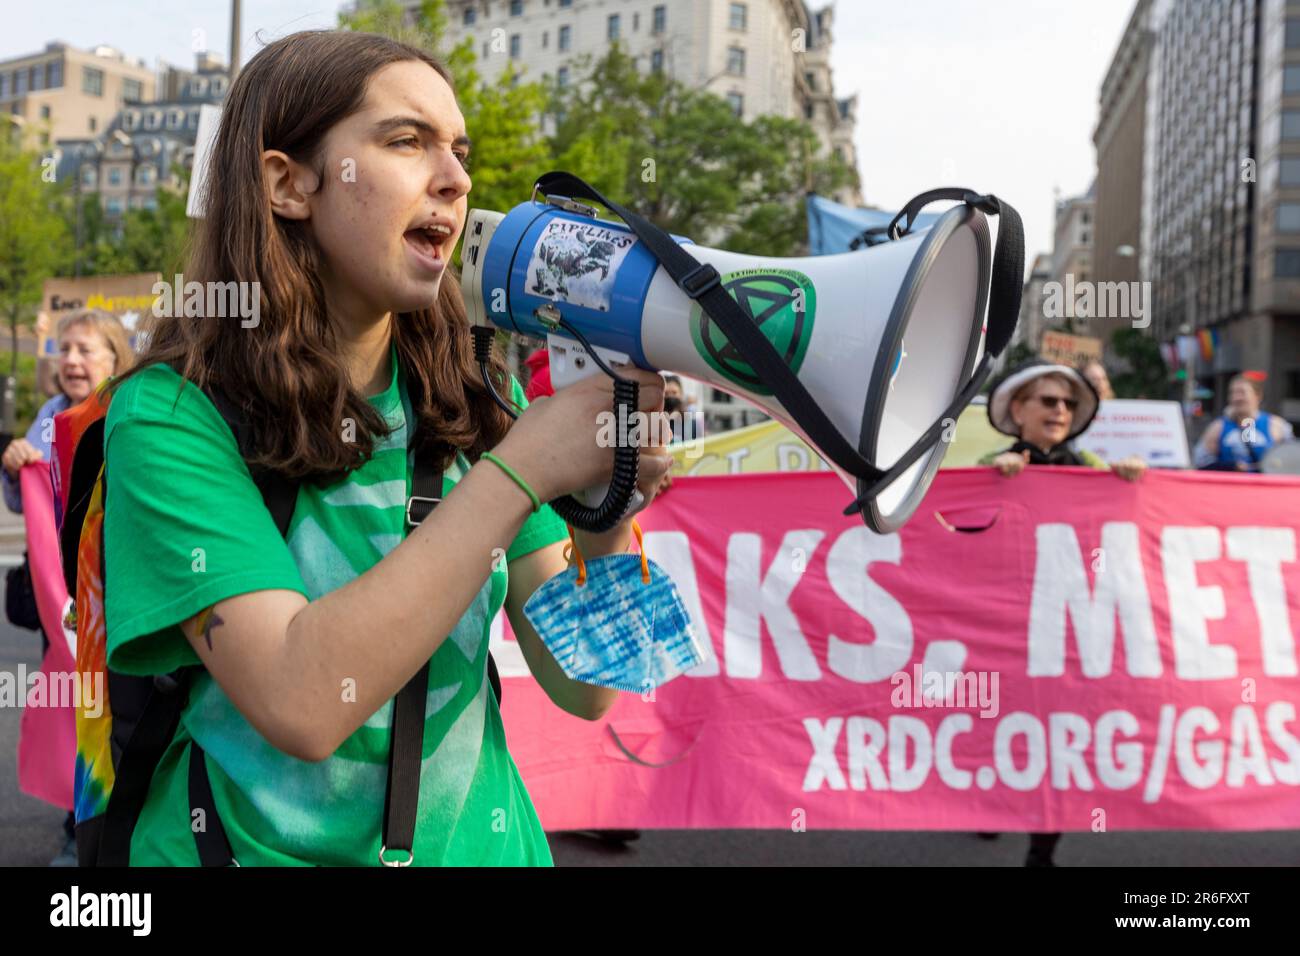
427, 243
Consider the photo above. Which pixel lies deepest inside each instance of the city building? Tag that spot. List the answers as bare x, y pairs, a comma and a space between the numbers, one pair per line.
1119, 137
66, 93
1224, 189
1072, 246
763, 56
144, 142
1029, 326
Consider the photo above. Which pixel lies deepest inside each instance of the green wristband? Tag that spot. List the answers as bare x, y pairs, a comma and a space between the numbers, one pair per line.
514, 475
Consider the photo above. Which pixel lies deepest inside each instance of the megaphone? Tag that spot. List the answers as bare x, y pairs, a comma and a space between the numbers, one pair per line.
883, 345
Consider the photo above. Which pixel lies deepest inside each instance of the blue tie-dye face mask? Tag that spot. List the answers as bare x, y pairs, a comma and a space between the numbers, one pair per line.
615, 629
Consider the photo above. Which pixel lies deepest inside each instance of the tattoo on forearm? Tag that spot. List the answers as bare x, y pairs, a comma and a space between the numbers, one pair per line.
214, 620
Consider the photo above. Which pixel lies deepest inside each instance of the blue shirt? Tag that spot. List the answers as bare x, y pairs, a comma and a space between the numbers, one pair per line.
39, 436
1235, 450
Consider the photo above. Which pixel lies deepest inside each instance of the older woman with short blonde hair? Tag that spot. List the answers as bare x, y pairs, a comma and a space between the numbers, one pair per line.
93, 345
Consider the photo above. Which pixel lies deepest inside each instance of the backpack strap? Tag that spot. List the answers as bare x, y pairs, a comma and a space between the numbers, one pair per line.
406, 746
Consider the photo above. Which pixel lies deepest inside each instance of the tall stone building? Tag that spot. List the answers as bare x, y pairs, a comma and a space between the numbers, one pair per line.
1120, 136
1224, 188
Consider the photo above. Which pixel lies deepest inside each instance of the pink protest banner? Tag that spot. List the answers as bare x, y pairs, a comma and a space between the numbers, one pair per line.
1059, 651
47, 734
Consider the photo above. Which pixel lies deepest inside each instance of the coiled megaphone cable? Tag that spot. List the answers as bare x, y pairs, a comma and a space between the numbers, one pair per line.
622, 482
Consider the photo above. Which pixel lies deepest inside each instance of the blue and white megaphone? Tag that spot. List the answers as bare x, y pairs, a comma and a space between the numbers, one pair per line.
883, 345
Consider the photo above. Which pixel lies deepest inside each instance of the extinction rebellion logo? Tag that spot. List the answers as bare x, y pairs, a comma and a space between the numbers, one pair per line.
781, 302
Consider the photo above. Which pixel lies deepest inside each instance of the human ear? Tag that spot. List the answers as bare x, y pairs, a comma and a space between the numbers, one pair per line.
288, 185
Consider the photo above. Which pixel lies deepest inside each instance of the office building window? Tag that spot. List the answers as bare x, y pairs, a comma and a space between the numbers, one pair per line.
1288, 217
735, 61
88, 176
1287, 264
1290, 125
546, 39
1291, 79
659, 19
114, 206
562, 76
54, 74
38, 77
566, 37
93, 123
737, 103
146, 175
92, 81
611, 29
516, 8
469, 16
20, 82
737, 16
131, 91
115, 176
566, 3
657, 61
516, 45
45, 111
1290, 172
4, 85
1292, 34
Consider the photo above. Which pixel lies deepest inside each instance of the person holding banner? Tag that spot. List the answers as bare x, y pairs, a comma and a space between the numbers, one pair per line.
1044, 407
1240, 438
92, 346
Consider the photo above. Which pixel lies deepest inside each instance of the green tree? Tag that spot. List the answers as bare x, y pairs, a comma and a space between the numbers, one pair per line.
683, 159
148, 240
33, 239
1147, 376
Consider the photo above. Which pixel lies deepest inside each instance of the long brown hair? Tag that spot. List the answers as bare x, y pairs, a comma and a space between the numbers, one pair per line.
285, 374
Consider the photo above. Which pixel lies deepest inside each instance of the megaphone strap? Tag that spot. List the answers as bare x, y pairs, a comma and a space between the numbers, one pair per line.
696, 279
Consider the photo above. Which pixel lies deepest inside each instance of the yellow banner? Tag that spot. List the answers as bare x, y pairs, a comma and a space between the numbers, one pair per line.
770, 446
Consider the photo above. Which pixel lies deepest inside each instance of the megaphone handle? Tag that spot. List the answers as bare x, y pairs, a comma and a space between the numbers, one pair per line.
622, 486
570, 362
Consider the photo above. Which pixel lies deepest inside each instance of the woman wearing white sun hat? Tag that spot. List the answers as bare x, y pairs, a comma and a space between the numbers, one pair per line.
1045, 407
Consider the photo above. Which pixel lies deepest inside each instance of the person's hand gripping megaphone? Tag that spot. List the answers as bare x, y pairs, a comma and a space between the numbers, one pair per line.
556, 446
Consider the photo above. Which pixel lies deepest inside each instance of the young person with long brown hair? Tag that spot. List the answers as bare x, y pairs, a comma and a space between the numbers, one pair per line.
338, 183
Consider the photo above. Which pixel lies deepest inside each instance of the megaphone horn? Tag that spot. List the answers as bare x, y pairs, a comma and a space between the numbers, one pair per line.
882, 344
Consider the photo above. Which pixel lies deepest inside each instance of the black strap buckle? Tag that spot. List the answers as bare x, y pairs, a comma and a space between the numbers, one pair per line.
699, 280
985, 204
426, 508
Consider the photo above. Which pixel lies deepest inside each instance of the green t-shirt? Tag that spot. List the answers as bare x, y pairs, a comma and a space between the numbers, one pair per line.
185, 527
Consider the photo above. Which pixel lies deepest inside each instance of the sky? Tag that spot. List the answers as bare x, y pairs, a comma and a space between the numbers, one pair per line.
996, 95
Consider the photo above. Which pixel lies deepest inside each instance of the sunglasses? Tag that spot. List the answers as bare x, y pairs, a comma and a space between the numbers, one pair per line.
1050, 402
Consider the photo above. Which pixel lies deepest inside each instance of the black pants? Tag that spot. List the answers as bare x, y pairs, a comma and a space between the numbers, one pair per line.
1042, 845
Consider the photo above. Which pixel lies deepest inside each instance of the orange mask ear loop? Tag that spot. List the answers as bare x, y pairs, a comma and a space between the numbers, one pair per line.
572, 552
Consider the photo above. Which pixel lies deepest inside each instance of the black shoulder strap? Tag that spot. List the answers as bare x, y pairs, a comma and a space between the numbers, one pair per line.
279, 493
406, 749
702, 283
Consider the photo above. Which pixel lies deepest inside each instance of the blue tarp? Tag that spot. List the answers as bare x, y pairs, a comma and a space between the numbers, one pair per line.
832, 226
